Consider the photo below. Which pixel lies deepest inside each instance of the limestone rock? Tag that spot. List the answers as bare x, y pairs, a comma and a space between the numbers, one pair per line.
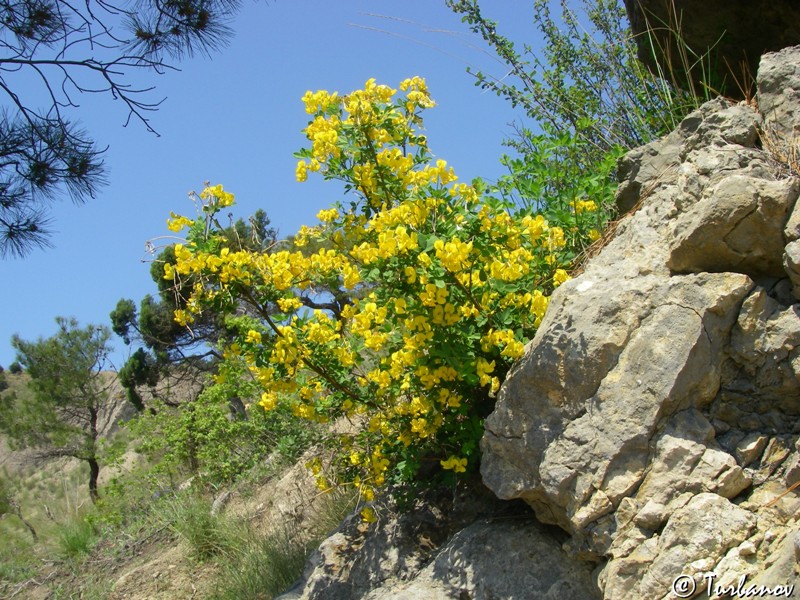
791, 263
750, 448
499, 560
622, 346
442, 550
656, 414
737, 226
779, 92
698, 534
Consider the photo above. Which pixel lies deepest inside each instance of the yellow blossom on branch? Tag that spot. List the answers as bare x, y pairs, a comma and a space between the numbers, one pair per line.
401, 311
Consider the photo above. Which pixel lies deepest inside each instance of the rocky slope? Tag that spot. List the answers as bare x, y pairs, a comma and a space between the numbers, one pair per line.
653, 422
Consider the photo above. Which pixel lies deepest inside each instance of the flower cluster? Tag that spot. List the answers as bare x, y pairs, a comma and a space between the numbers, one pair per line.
400, 311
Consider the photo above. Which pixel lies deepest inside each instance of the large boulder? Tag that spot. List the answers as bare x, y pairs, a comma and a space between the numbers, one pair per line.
467, 546
655, 416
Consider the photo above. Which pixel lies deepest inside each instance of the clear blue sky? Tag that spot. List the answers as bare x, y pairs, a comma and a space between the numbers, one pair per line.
236, 119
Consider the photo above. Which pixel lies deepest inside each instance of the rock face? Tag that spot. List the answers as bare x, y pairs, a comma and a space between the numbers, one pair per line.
732, 33
655, 416
467, 546
653, 424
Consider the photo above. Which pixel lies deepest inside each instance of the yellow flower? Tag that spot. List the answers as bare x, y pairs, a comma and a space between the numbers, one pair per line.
484, 370
183, 318
177, 222
169, 271
318, 101
222, 197
269, 400
289, 304
253, 337
556, 239
301, 172
326, 216
458, 465
582, 206
560, 276
368, 515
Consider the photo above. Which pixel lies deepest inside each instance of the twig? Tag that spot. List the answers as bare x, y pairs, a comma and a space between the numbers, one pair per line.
774, 501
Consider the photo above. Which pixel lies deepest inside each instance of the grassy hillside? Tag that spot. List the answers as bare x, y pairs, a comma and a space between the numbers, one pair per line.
51, 497
154, 534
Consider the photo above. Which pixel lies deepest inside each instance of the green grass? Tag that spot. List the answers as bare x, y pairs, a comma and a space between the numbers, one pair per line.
189, 515
262, 568
76, 538
266, 565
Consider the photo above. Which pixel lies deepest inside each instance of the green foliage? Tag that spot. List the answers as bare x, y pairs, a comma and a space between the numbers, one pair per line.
15, 368
217, 434
543, 177
140, 369
3, 382
61, 417
587, 79
588, 94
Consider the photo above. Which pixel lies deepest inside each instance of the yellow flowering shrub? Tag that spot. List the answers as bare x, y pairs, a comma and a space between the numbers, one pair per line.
401, 310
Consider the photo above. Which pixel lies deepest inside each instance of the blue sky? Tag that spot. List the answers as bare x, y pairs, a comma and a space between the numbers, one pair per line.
236, 118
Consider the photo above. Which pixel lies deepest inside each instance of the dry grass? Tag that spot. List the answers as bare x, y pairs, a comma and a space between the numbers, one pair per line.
785, 151
611, 230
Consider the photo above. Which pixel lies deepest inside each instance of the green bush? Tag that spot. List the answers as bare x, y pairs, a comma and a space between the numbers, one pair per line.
414, 299
218, 436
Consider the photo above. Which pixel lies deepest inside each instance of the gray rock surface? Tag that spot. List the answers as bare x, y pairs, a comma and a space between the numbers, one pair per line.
443, 549
779, 92
656, 414
488, 560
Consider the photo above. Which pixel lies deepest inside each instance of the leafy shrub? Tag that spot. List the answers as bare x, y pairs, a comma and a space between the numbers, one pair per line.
586, 79
15, 368
217, 435
411, 303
